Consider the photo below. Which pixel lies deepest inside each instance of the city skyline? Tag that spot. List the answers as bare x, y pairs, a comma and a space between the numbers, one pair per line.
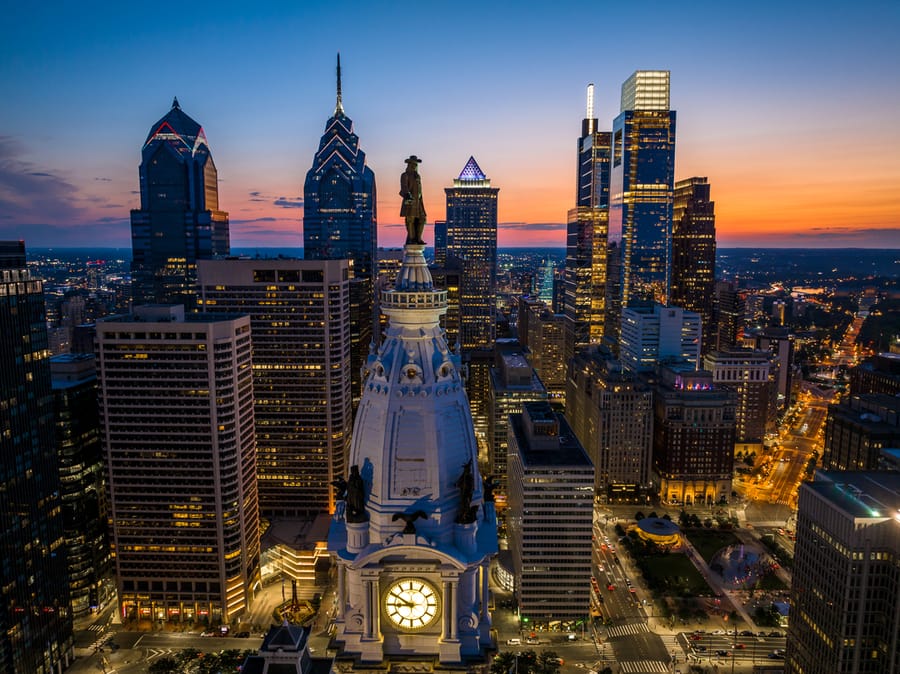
786, 110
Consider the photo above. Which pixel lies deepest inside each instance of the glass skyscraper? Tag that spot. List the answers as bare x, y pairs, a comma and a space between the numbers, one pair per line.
179, 221
642, 185
35, 622
472, 238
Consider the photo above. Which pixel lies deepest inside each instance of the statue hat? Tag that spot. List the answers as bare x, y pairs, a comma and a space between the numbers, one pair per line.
413, 158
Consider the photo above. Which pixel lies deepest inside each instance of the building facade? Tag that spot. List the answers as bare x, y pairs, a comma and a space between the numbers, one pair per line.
651, 332
179, 221
36, 634
694, 253
551, 496
472, 238
176, 406
845, 616
642, 180
300, 328
749, 373
858, 429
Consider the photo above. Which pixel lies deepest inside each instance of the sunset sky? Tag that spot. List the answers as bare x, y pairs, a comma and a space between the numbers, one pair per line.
791, 109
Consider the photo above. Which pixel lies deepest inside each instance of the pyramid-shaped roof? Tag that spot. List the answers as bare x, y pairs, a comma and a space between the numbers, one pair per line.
472, 171
178, 123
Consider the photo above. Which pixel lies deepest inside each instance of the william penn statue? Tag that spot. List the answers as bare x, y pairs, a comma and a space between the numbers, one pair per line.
413, 209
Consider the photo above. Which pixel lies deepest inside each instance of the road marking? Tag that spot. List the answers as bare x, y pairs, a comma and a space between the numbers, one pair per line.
644, 666
626, 630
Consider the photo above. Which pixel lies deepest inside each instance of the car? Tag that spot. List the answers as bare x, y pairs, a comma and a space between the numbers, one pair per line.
560, 662
242, 635
718, 632
532, 641
722, 654
775, 634
740, 646
696, 637
610, 587
700, 649
210, 633
514, 642
776, 656
746, 633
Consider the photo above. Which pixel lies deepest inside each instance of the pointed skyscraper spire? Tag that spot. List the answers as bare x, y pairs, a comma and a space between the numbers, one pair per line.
175, 103
339, 106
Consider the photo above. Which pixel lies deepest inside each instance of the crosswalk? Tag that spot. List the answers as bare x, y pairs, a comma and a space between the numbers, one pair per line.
96, 628
626, 630
643, 666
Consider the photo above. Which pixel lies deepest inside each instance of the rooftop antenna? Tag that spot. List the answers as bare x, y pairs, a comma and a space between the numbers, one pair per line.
339, 107
590, 107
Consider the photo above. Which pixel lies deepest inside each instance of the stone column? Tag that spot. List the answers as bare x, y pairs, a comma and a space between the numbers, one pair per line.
341, 592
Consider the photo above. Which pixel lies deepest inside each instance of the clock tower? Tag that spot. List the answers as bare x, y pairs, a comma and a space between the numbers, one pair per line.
416, 530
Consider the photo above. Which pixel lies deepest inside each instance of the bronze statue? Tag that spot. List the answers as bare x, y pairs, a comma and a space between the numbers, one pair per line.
489, 483
409, 518
466, 483
356, 497
413, 208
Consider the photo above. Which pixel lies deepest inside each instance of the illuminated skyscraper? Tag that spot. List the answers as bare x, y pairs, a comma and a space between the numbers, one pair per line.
652, 332
694, 254
176, 408
472, 238
35, 623
300, 324
179, 221
641, 185
586, 238
340, 222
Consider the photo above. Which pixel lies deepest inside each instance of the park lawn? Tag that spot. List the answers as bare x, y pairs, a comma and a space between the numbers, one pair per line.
674, 573
709, 541
771, 582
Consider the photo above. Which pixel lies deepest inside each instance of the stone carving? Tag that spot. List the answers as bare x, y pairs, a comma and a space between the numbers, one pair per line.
409, 518
356, 497
466, 484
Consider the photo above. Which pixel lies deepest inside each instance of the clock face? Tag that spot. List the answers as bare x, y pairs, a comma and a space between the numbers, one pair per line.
411, 604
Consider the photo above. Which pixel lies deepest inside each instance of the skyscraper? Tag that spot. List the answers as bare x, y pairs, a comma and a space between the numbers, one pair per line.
340, 222
694, 254
176, 406
472, 238
652, 332
179, 221
642, 184
749, 373
300, 324
845, 614
586, 238
35, 623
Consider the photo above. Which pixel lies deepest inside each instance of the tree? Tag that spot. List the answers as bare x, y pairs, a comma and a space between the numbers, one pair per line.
639, 516
503, 663
165, 665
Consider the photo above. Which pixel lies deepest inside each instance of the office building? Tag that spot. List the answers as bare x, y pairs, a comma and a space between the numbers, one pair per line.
693, 436
300, 327
858, 429
729, 315
611, 412
651, 333
472, 237
586, 238
779, 343
749, 374
82, 481
513, 382
414, 537
176, 409
694, 254
845, 587
546, 342
35, 622
612, 324
551, 497
642, 181
878, 374
340, 223
179, 221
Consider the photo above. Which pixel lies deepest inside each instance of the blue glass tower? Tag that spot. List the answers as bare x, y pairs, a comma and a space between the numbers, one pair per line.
339, 217
642, 185
179, 221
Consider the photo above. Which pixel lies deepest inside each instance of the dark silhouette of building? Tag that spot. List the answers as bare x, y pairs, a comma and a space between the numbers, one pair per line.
641, 185
694, 254
586, 238
845, 616
340, 222
472, 238
83, 482
857, 429
878, 374
179, 221
729, 315
35, 620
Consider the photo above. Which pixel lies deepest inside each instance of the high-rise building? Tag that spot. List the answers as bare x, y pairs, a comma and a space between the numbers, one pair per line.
693, 436
513, 383
729, 315
641, 185
694, 253
779, 343
35, 622
179, 221
845, 613
546, 341
878, 374
340, 222
472, 237
611, 412
414, 538
586, 238
749, 374
858, 429
82, 481
300, 328
551, 496
176, 409
651, 332
612, 324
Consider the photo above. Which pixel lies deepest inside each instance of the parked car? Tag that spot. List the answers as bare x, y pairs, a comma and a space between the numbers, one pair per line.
722, 654
775, 634
243, 635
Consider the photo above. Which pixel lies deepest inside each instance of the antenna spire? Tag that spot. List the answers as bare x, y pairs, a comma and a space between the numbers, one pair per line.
590, 107
339, 106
